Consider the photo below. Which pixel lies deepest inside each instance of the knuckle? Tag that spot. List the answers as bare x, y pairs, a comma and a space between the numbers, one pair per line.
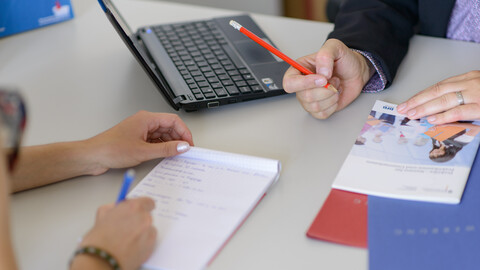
309, 97
134, 205
437, 90
313, 107
413, 101
444, 101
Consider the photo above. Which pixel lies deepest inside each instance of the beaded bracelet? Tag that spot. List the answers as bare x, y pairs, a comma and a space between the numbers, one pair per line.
99, 253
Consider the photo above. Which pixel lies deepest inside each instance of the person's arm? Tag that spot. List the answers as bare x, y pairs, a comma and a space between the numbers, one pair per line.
381, 28
141, 137
440, 101
369, 36
7, 258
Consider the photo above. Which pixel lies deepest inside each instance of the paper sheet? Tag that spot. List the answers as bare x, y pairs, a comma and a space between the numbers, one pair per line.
201, 198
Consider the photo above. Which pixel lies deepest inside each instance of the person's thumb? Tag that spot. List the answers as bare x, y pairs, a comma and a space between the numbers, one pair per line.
166, 149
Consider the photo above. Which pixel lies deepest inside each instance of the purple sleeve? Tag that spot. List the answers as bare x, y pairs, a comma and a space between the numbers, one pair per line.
378, 80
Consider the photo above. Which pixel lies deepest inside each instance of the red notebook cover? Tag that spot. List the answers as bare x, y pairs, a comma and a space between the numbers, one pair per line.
342, 219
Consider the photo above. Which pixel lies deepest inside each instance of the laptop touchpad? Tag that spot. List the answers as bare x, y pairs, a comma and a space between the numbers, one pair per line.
253, 53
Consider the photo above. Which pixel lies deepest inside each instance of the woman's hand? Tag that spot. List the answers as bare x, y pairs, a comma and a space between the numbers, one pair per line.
125, 231
141, 137
441, 102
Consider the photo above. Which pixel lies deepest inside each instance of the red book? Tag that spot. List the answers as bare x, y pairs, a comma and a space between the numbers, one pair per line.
342, 219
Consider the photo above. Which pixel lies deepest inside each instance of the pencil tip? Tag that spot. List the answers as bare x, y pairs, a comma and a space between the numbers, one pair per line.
331, 87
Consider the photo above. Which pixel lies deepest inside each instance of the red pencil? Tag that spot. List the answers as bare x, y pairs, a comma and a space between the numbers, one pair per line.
275, 51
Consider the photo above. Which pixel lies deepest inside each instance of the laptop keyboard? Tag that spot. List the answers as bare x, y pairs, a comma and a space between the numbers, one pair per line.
203, 57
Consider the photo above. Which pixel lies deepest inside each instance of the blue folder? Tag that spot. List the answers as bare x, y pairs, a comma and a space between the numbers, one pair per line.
417, 235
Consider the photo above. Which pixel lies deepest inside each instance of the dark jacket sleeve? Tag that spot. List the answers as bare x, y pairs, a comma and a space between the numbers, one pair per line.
382, 28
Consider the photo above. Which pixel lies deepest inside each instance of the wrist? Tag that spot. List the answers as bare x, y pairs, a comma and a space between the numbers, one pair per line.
89, 157
85, 261
93, 258
366, 67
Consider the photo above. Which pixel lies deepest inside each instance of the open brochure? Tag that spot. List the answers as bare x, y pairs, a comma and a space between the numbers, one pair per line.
394, 156
201, 198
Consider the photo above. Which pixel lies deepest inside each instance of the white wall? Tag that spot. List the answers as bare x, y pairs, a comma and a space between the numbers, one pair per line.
271, 7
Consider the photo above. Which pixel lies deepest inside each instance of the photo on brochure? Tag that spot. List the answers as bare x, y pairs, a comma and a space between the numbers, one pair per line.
389, 136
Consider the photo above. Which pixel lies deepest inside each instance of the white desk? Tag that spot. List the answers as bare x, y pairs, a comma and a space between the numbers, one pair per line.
79, 79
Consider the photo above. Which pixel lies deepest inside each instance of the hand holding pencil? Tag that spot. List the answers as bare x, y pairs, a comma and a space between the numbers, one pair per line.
336, 66
275, 51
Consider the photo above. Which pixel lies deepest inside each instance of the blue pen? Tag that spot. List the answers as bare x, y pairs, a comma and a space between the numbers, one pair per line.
128, 178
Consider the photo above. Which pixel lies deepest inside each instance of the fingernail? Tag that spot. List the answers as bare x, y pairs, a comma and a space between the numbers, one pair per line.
401, 107
320, 82
431, 119
183, 147
411, 112
323, 71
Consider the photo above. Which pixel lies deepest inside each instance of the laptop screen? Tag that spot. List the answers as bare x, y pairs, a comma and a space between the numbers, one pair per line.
107, 5
135, 46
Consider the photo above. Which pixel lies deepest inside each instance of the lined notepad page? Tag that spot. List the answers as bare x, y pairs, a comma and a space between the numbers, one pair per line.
201, 197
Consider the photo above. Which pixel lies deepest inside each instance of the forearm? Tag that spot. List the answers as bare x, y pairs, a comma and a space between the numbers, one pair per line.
46, 164
382, 28
7, 258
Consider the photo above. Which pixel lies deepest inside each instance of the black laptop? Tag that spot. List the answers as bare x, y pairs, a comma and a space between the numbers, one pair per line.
203, 64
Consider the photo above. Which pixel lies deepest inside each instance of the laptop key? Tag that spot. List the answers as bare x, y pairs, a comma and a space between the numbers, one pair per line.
217, 85
233, 72
252, 82
241, 83
205, 90
192, 67
220, 71
247, 76
199, 78
257, 88
223, 77
220, 92
199, 96
245, 89
206, 69
195, 90
232, 90
203, 84
227, 82
237, 78
196, 73
210, 95
212, 79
